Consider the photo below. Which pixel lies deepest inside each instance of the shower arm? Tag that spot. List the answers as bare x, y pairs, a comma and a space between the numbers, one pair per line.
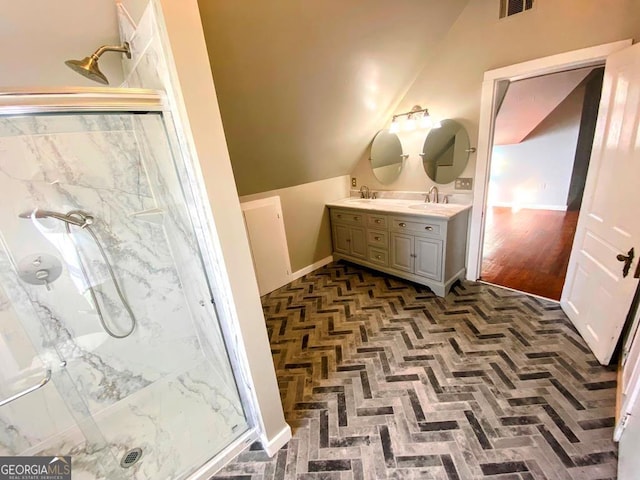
124, 48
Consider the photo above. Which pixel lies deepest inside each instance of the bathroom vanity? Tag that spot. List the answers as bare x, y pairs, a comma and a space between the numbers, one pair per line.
422, 242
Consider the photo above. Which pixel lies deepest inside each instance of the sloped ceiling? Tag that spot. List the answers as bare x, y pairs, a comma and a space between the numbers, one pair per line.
528, 102
304, 86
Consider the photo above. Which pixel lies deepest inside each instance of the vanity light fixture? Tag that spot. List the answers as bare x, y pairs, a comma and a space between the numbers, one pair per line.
417, 117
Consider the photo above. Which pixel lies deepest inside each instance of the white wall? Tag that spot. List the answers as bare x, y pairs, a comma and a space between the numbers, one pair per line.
304, 86
536, 172
306, 219
37, 36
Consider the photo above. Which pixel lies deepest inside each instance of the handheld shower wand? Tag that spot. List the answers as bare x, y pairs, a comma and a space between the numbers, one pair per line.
80, 219
84, 221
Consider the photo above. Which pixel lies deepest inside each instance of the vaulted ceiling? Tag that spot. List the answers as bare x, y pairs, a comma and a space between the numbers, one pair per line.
528, 102
304, 86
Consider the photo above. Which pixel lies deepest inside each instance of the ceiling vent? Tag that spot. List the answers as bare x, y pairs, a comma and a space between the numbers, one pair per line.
513, 7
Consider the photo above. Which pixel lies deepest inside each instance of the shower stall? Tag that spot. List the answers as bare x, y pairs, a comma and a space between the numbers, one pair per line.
110, 346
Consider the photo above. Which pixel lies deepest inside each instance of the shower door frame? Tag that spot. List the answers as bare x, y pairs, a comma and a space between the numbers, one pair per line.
82, 100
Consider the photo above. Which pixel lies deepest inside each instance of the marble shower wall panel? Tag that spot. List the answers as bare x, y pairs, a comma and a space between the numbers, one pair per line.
53, 419
168, 387
180, 422
101, 173
166, 188
28, 422
147, 67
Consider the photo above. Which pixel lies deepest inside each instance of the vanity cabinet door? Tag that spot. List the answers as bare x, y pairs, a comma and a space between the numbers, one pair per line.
349, 240
358, 242
402, 252
428, 258
341, 238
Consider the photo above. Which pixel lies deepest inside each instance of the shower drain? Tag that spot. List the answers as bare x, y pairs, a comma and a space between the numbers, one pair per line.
131, 457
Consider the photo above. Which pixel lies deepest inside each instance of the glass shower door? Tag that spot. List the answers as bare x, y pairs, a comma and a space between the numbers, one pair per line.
101, 242
41, 412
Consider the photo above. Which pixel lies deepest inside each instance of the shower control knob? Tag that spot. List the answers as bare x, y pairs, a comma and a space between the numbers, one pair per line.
40, 269
42, 274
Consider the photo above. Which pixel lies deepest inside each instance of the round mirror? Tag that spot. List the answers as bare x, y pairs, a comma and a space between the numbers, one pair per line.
386, 156
446, 152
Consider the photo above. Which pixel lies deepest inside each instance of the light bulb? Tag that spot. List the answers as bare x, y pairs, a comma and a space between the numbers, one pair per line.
395, 126
426, 121
410, 124
436, 124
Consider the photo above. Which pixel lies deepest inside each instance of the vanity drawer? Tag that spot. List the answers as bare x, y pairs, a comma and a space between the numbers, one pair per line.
378, 238
378, 256
427, 227
377, 221
347, 216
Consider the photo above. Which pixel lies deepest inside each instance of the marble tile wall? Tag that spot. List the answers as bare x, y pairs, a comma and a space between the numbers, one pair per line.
149, 67
113, 394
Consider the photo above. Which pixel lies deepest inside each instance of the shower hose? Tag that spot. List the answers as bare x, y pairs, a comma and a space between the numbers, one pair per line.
86, 226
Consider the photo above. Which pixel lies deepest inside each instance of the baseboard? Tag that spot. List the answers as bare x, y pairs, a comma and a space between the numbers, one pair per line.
310, 268
533, 206
276, 443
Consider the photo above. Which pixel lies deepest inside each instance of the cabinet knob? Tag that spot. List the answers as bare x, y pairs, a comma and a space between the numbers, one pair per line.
356, 218
378, 220
402, 224
378, 257
376, 238
339, 216
413, 255
428, 227
348, 240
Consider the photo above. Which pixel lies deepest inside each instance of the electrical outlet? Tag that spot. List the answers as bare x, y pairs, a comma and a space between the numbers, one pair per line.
354, 182
463, 183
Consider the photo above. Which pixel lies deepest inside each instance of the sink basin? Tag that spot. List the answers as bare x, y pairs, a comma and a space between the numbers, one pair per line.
425, 206
361, 200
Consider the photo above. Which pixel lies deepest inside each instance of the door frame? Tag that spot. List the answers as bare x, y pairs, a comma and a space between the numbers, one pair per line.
585, 57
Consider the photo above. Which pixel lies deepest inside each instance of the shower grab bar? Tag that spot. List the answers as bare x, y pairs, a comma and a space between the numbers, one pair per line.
26, 391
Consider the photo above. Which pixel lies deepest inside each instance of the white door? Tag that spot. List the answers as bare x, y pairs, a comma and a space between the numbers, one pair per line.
629, 378
596, 296
627, 430
268, 242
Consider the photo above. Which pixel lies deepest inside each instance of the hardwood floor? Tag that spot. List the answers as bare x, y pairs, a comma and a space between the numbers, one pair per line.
528, 250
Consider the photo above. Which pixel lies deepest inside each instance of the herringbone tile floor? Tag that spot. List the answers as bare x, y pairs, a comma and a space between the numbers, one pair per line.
380, 379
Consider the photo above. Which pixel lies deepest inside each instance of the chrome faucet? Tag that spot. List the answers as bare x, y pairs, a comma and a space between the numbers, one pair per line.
364, 192
432, 196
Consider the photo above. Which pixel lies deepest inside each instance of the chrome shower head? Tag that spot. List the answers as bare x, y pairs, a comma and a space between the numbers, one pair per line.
88, 66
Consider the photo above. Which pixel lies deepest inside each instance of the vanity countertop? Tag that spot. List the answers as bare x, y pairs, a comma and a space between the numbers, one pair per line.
404, 207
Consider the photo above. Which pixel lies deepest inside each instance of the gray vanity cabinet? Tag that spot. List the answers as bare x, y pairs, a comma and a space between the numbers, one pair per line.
349, 237
424, 249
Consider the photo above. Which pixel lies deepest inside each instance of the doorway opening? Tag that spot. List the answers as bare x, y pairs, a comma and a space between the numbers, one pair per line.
544, 128
494, 85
